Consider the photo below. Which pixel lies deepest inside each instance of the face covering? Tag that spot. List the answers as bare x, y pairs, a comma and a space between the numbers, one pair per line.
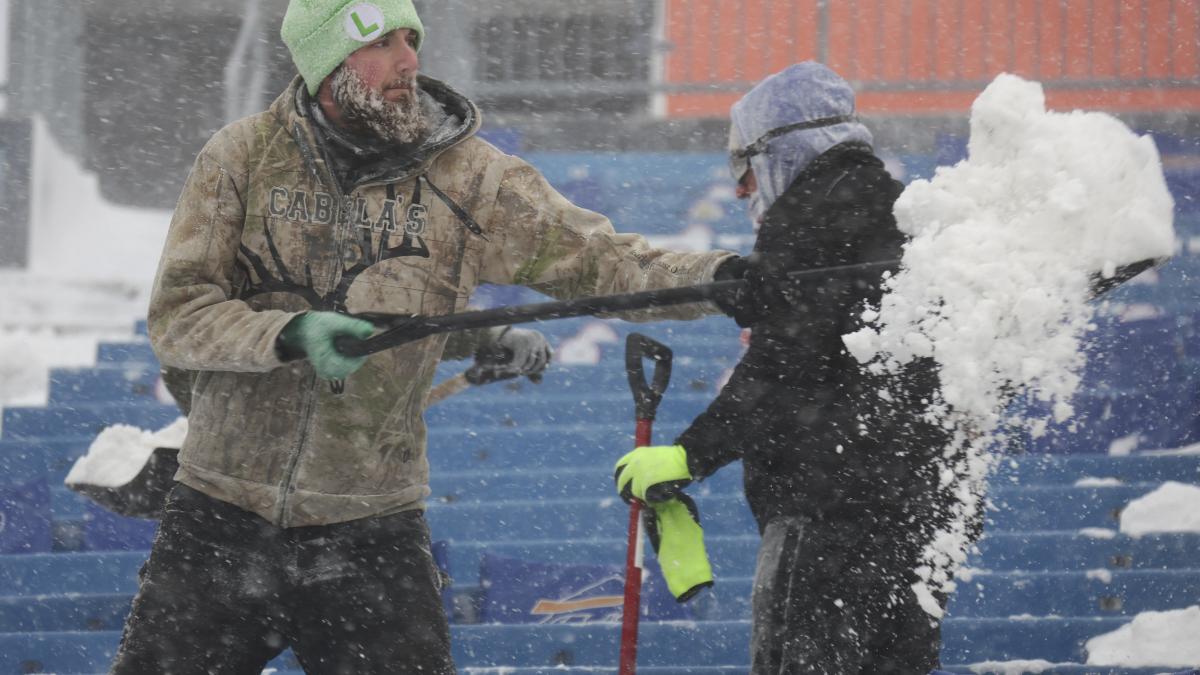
788, 120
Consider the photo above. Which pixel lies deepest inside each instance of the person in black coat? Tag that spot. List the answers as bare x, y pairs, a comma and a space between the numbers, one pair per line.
841, 468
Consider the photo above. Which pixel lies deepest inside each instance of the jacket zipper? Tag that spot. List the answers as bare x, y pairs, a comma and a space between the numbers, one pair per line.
306, 416
282, 517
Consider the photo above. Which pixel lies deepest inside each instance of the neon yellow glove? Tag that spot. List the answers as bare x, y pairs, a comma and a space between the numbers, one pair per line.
678, 540
652, 473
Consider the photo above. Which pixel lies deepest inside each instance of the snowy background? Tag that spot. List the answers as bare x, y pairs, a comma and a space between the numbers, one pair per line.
91, 260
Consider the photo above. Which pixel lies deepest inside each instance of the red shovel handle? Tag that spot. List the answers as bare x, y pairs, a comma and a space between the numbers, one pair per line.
646, 396
633, 592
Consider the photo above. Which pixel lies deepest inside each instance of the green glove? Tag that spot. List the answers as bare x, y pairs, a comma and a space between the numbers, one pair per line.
312, 333
678, 540
652, 473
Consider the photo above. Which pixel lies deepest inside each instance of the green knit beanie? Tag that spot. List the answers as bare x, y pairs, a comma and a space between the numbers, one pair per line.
321, 33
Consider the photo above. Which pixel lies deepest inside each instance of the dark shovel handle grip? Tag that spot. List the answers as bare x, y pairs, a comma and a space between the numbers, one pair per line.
349, 346
647, 394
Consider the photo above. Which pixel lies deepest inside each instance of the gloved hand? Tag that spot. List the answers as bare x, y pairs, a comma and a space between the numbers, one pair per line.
652, 473
312, 334
512, 353
759, 297
678, 541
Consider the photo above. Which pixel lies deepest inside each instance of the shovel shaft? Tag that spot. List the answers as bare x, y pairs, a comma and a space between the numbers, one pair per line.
633, 592
634, 563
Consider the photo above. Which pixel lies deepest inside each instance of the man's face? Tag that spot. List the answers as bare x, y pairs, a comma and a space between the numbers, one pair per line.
747, 188
747, 185
388, 66
375, 89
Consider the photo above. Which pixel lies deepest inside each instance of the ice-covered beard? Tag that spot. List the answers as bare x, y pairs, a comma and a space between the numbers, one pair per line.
366, 110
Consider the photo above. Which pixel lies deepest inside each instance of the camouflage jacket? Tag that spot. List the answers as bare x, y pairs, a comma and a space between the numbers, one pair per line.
264, 231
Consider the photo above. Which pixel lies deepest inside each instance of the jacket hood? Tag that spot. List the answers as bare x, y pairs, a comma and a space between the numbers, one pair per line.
453, 116
800, 93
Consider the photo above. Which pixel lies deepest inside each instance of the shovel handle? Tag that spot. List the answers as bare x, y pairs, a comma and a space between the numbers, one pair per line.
634, 563
647, 394
646, 397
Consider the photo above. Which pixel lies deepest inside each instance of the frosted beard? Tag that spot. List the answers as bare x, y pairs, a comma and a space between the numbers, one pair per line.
366, 110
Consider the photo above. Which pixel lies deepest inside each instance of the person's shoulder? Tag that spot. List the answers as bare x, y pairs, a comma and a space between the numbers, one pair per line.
855, 173
489, 165
480, 152
230, 146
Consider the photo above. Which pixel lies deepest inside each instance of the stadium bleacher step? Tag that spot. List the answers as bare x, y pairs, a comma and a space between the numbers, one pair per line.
82, 419
1074, 550
1058, 640
125, 352
1051, 571
1086, 593
131, 382
1030, 470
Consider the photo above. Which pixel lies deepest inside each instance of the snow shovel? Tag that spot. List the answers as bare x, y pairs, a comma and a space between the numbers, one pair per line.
646, 396
402, 329
146, 493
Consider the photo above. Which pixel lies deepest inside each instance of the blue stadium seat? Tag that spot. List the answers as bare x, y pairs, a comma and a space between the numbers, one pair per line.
1055, 507
569, 519
63, 613
58, 652
48, 574
1067, 469
486, 412
552, 482
125, 352
731, 556
82, 419
688, 377
104, 530
25, 520
587, 444
663, 646
131, 382
50, 455
1057, 593
1031, 550
1164, 416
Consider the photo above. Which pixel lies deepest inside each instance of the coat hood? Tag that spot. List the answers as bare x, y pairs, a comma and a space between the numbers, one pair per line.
800, 93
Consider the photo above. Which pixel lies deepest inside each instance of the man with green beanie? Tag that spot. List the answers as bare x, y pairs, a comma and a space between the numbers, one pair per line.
297, 520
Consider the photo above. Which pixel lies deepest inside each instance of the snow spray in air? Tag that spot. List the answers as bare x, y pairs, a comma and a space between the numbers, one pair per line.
994, 282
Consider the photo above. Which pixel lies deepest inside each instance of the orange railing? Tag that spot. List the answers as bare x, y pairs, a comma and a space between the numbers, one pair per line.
934, 56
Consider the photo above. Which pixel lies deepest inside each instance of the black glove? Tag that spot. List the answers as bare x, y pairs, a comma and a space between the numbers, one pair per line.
762, 295
513, 352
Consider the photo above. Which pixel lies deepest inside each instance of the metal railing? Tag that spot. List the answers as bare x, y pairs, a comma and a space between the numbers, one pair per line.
697, 55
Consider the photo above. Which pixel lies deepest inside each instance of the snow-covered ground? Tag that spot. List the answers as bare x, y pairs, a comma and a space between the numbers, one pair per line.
91, 265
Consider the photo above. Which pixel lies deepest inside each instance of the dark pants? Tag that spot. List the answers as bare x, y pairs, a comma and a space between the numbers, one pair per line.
224, 591
836, 597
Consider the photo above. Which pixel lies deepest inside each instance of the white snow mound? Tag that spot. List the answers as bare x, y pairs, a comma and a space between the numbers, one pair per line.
1173, 507
120, 451
1018, 667
1152, 639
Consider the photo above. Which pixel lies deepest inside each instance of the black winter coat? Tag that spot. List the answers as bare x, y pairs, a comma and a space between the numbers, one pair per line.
806, 419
